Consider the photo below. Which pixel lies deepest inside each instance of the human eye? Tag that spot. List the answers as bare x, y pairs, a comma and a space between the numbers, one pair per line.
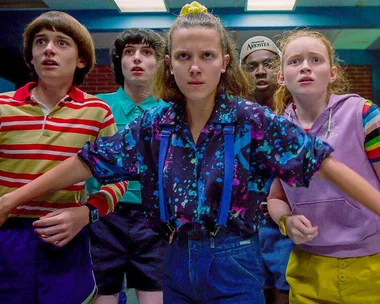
251, 68
208, 55
147, 52
269, 64
62, 43
316, 59
128, 51
39, 41
294, 61
182, 56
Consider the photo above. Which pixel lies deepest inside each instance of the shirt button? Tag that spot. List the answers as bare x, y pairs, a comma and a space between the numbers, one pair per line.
342, 277
342, 264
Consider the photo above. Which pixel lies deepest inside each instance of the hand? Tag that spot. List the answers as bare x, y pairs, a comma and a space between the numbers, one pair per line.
300, 230
5, 209
61, 226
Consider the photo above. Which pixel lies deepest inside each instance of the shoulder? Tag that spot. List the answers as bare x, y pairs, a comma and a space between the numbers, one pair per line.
161, 102
93, 102
160, 110
108, 97
7, 95
252, 112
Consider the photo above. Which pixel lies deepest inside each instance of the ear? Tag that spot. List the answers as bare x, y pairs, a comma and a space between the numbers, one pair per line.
226, 61
168, 62
81, 63
281, 79
333, 73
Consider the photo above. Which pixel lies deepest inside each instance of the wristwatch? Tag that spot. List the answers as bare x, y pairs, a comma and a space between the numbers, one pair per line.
281, 224
94, 213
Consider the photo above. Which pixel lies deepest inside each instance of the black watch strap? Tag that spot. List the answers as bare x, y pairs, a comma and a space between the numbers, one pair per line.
94, 213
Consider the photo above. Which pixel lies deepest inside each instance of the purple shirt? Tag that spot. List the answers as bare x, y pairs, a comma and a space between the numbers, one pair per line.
265, 146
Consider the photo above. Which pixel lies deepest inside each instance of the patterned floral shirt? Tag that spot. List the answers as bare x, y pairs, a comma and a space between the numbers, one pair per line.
265, 146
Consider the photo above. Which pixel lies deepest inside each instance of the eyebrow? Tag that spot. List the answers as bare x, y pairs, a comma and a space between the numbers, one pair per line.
311, 52
134, 46
58, 36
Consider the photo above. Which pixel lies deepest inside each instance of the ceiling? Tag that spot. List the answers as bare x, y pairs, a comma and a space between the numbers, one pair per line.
349, 24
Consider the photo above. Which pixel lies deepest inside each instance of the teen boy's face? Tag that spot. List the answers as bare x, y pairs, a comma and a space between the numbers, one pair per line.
138, 64
197, 62
306, 68
262, 65
55, 56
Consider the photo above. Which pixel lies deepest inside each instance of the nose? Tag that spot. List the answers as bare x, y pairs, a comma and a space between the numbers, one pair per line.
137, 57
49, 48
260, 71
194, 69
305, 67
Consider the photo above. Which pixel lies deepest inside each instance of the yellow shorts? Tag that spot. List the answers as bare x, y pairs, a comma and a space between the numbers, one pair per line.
319, 279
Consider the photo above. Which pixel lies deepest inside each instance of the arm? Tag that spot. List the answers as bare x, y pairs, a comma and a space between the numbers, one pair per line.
59, 227
277, 201
105, 197
297, 165
298, 227
371, 127
351, 183
69, 172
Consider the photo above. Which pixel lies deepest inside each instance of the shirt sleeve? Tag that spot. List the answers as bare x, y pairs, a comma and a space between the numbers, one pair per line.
286, 150
371, 126
113, 159
105, 198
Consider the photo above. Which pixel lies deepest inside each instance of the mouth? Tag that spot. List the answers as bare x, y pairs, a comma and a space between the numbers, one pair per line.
305, 80
195, 83
49, 62
137, 69
261, 83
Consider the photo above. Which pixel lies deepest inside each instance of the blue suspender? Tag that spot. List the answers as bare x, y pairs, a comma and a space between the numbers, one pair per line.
164, 143
224, 207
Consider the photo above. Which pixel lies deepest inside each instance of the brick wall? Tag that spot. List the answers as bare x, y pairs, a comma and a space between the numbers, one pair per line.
100, 80
360, 77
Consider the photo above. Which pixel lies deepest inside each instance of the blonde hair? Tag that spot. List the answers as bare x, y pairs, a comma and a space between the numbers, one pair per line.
282, 97
61, 22
233, 82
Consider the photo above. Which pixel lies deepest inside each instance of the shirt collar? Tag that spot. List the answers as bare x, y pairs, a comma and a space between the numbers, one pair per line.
128, 104
23, 93
225, 112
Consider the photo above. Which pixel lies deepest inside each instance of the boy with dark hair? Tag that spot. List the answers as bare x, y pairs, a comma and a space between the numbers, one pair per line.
121, 244
44, 249
261, 57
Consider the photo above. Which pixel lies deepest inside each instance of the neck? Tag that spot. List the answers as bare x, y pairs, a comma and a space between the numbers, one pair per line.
138, 93
308, 108
50, 93
264, 98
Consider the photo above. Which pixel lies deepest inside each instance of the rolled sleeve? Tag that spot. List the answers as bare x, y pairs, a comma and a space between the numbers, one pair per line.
113, 159
290, 153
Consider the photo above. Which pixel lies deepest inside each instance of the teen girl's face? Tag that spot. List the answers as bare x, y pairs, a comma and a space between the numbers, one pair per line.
197, 62
306, 68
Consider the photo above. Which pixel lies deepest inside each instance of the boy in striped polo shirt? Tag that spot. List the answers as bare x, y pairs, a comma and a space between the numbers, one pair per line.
44, 249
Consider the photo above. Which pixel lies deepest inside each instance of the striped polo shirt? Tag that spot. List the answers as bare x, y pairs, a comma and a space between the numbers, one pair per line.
34, 139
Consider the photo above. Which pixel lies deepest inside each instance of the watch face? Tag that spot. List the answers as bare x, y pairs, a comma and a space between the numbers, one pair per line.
94, 215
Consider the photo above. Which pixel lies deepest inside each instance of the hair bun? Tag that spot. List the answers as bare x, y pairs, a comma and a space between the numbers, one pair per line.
193, 8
